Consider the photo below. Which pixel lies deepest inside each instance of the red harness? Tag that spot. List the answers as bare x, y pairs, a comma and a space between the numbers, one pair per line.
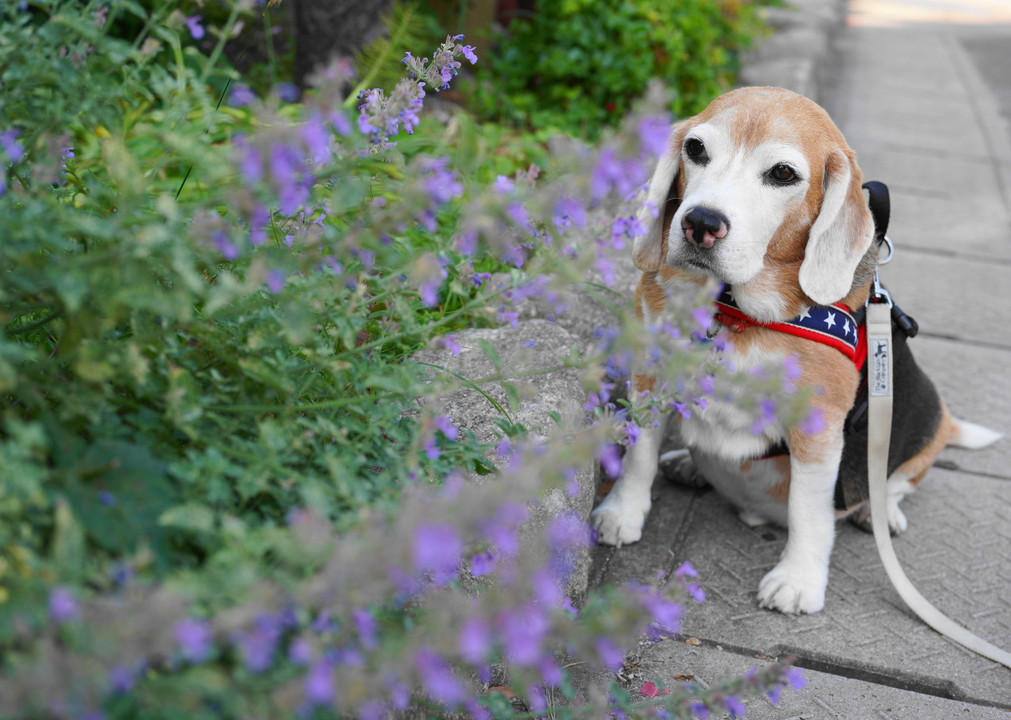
833, 325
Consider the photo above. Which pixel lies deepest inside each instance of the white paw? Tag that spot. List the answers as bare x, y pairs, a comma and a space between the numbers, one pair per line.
896, 519
897, 522
794, 587
619, 519
752, 519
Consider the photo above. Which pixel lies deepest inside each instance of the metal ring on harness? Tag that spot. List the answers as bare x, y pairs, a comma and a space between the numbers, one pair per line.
891, 250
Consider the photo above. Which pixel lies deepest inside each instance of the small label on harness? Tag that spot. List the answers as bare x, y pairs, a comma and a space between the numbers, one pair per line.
877, 377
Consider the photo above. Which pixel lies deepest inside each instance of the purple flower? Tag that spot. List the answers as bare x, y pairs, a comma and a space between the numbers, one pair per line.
700, 711
275, 280
774, 693
475, 639
437, 550
300, 651
653, 134
319, 685
445, 425
367, 628
258, 646
686, 570
440, 182
193, 638
546, 588
703, 318
324, 623
814, 423
250, 162
483, 564
696, 591
502, 531
791, 367
286, 172
568, 531
551, 674
11, 147
610, 459
518, 214
449, 342
121, 679
466, 243
632, 433
569, 211
468, 52
795, 677
400, 696
62, 606
665, 614
504, 185
734, 706
316, 138
438, 678
241, 96
522, 632
287, 91
511, 317
610, 654
229, 250
340, 122
194, 26
258, 221
630, 228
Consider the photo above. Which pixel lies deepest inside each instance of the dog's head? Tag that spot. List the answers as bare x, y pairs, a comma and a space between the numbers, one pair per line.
762, 192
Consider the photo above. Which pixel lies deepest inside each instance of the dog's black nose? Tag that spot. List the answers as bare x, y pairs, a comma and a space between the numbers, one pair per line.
703, 226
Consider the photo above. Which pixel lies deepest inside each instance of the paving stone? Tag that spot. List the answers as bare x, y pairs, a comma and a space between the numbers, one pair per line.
939, 135
796, 74
975, 228
926, 172
953, 297
957, 551
973, 381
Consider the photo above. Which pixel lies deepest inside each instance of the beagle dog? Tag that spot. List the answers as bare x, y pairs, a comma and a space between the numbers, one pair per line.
761, 192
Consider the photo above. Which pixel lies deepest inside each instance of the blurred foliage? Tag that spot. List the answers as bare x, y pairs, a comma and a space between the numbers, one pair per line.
577, 65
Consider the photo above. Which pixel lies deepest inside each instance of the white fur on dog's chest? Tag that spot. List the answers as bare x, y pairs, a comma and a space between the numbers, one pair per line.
726, 430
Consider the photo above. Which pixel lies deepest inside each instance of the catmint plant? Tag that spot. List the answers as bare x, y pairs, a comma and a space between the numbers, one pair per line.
222, 494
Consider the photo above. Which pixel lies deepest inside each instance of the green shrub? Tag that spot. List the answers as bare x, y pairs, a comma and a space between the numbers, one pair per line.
577, 65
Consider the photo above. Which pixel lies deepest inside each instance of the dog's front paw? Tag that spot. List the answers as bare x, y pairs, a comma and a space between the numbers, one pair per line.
619, 519
791, 587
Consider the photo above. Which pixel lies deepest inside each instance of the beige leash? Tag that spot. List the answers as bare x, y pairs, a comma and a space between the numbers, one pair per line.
879, 385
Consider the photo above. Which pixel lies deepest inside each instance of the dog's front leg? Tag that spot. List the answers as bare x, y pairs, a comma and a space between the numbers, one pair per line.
620, 516
797, 583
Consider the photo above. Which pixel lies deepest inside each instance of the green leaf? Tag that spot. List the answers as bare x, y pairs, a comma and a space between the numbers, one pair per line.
491, 353
192, 517
67, 548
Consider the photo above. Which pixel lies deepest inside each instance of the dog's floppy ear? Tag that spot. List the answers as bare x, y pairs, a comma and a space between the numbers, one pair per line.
840, 235
656, 214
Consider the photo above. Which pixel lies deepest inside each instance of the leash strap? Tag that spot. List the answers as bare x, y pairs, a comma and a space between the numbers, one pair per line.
879, 381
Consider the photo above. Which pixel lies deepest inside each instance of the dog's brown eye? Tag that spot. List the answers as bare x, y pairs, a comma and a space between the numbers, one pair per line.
782, 173
696, 150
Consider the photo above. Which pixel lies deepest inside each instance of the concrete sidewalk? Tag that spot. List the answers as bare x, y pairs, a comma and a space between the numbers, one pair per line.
922, 97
